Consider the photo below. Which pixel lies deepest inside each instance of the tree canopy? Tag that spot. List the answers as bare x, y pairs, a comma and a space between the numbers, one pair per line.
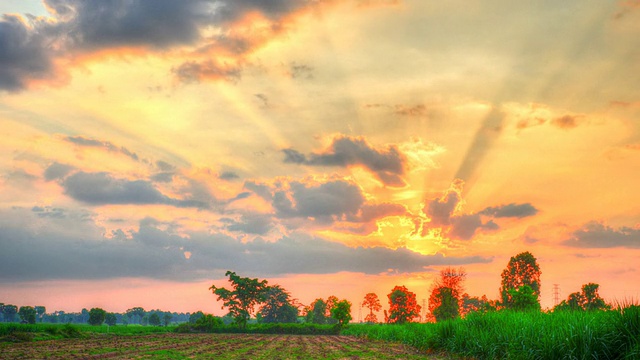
403, 306
277, 306
341, 312
522, 269
445, 300
96, 316
246, 294
587, 300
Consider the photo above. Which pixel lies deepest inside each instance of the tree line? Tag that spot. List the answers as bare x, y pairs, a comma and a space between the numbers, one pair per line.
519, 291
95, 316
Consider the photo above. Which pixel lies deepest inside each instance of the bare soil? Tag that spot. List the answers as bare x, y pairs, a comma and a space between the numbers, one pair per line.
211, 346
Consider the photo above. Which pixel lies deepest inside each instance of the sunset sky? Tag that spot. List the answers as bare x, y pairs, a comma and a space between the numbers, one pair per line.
334, 147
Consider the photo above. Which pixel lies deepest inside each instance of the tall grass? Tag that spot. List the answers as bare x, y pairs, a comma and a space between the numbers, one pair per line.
611, 334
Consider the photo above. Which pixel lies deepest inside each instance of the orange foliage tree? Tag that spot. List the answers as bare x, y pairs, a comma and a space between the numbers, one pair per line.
403, 306
372, 302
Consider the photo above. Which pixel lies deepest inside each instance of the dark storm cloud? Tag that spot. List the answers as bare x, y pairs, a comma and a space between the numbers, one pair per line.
24, 53
510, 210
107, 145
325, 202
387, 164
155, 253
99, 24
597, 235
57, 171
104, 189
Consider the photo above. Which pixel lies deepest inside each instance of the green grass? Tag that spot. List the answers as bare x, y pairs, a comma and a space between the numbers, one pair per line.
611, 334
26, 332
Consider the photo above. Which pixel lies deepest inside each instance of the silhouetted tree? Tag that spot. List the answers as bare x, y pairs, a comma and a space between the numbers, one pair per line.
241, 300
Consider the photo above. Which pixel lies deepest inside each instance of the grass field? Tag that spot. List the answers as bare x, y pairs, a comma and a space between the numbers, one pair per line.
211, 346
510, 335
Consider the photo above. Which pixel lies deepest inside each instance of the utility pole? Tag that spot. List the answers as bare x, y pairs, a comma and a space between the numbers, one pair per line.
360, 314
423, 316
556, 294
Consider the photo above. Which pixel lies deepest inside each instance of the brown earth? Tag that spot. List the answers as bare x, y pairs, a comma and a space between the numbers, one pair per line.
211, 346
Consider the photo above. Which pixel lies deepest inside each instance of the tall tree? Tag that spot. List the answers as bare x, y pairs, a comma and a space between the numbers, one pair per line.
110, 319
246, 294
372, 302
277, 307
27, 314
40, 311
445, 300
96, 316
331, 303
403, 306
448, 307
318, 312
136, 314
522, 270
10, 312
154, 319
341, 312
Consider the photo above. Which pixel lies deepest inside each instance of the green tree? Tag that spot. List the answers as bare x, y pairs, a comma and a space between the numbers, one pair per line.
27, 314
524, 299
318, 312
341, 312
246, 294
277, 307
448, 306
587, 300
154, 319
167, 319
522, 269
331, 303
40, 311
446, 294
96, 316
10, 312
136, 314
195, 316
110, 319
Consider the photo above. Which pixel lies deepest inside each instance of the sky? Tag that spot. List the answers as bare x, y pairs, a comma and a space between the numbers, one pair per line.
333, 147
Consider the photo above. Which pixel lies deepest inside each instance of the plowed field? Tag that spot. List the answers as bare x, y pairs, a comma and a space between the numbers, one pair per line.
209, 346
